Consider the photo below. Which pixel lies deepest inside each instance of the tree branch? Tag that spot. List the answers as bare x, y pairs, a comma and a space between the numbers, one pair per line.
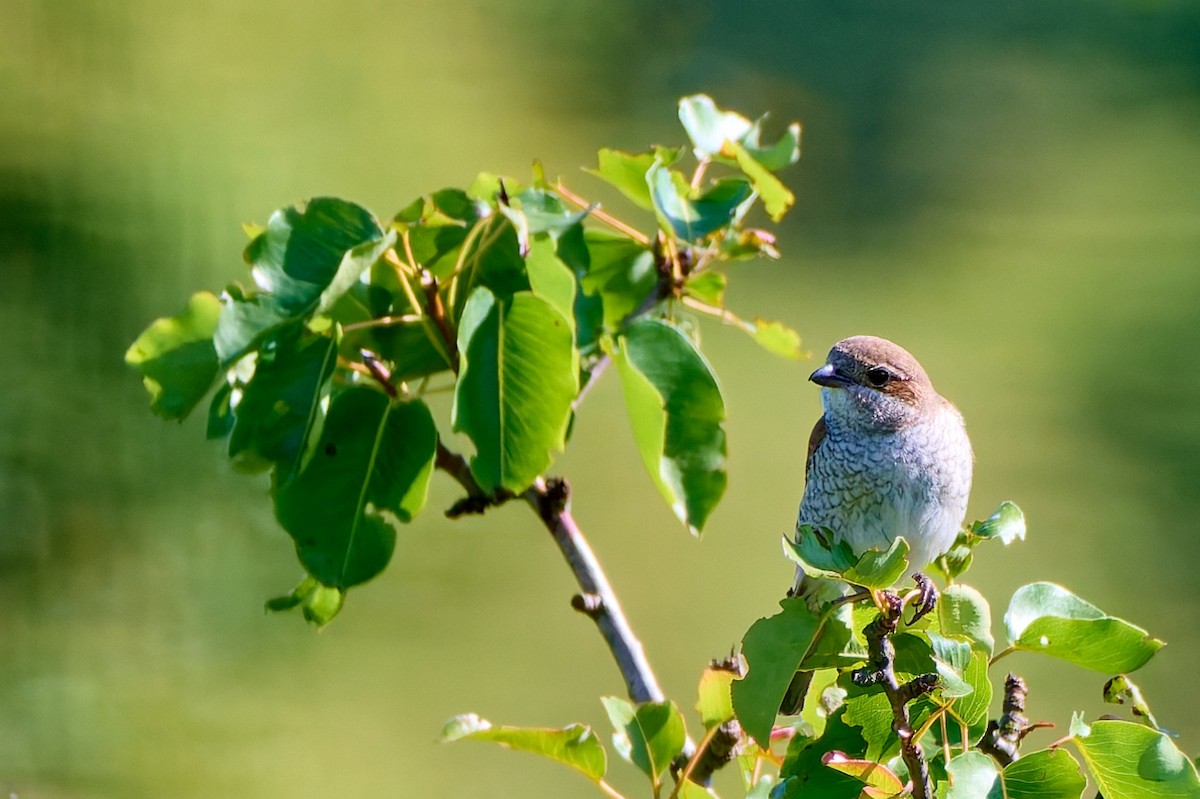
596, 598
881, 669
550, 498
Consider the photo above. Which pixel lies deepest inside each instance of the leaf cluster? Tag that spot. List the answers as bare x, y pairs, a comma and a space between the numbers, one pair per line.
845, 744
509, 296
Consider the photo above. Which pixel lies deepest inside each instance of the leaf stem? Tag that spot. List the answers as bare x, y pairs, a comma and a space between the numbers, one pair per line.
609, 791
611, 221
1003, 653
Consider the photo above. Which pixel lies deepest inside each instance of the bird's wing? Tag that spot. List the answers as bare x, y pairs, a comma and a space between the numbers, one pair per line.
814, 440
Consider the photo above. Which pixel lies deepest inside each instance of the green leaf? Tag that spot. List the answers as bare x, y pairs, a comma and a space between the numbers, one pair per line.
302, 263
1133, 761
816, 551
575, 746
804, 775
713, 130
318, 602
626, 173
707, 286
1121, 690
621, 272
875, 569
692, 218
776, 197
1048, 774
280, 405
1007, 524
650, 735
413, 349
972, 775
1047, 618
963, 611
777, 339
536, 211
371, 463
709, 127
176, 358
880, 782
677, 414
550, 278
715, 702
519, 376
309, 255
951, 658
869, 709
774, 648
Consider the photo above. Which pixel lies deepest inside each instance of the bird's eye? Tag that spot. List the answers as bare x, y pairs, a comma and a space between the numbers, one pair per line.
878, 376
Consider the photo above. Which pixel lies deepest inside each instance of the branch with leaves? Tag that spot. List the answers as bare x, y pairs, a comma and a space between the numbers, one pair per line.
515, 298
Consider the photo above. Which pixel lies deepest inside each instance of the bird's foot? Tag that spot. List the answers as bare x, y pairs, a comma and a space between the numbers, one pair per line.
923, 598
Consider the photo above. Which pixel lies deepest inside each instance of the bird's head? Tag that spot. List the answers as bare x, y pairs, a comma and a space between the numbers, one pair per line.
874, 385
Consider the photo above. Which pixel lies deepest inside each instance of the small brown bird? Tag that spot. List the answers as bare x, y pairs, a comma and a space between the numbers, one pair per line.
889, 458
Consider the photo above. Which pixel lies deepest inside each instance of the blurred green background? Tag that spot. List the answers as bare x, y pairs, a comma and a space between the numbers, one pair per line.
1010, 189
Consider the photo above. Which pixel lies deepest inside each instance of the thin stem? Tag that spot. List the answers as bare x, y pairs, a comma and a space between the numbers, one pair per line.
701, 748
611, 221
1003, 653
609, 791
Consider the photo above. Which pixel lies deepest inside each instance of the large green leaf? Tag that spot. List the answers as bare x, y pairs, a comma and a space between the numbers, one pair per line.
176, 358
1133, 761
280, 405
575, 746
774, 648
305, 259
677, 414
370, 465
1047, 618
518, 378
650, 735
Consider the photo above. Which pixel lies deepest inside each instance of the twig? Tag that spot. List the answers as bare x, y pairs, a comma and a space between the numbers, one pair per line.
549, 498
1003, 736
880, 669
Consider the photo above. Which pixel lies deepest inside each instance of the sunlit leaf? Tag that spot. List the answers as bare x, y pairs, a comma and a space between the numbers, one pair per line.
1047, 618
649, 735
715, 703
878, 780
627, 173
319, 603
371, 465
707, 286
819, 554
677, 414
692, 218
773, 648
778, 339
621, 272
176, 358
1007, 524
1132, 761
776, 197
575, 746
962, 610
518, 378
708, 126
1121, 690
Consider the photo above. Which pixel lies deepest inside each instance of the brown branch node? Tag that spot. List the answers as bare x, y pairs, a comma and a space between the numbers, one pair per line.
1003, 736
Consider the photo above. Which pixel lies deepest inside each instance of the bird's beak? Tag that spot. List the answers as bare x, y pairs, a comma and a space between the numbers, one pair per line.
829, 377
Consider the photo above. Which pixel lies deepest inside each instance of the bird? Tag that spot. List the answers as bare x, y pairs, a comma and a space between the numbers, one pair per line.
889, 457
